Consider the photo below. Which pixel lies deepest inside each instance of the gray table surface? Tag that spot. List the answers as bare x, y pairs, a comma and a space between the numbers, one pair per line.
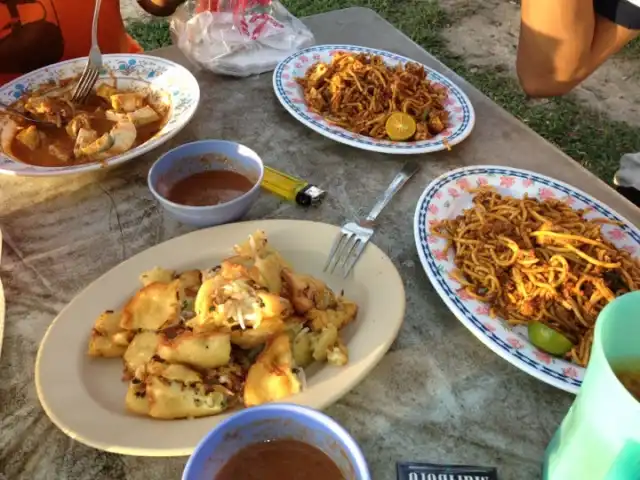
439, 395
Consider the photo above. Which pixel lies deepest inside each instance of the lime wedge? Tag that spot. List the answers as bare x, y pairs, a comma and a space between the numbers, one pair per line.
400, 126
547, 339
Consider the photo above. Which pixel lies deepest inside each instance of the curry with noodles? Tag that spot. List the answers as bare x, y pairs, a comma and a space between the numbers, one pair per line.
360, 92
110, 122
539, 261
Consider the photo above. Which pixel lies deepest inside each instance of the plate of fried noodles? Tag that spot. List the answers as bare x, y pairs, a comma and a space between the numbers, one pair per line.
508, 249
349, 94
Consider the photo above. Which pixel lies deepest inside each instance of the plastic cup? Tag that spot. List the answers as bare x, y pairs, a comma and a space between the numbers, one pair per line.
599, 439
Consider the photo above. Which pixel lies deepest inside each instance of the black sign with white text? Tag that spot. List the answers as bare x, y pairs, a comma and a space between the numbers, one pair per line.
431, 471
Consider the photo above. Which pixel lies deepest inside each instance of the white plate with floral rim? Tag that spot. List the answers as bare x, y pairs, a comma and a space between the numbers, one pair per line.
130, 71
461, 114
446, 197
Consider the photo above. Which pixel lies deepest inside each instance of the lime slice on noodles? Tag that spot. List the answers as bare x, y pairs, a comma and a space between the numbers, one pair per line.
400, 126
547, 339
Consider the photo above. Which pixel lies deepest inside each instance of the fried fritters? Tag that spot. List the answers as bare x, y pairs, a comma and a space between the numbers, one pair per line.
271, 377
196, 343
153, 307
107, 338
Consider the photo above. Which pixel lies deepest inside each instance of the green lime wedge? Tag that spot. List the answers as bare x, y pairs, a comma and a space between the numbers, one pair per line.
547, 339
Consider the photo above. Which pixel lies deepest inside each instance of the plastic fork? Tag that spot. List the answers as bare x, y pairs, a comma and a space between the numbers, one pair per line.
354, 236
91, 72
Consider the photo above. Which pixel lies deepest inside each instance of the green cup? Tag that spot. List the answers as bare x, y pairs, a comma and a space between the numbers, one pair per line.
599, 439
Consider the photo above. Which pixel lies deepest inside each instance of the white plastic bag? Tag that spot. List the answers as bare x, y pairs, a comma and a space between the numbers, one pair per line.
238, 37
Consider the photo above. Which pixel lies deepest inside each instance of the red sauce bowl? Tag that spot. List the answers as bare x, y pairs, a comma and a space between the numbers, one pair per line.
191, 158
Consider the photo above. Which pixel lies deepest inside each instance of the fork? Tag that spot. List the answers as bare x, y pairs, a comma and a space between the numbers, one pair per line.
94, 64
354, 236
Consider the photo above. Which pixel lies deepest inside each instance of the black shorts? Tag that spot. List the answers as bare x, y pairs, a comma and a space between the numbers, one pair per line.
625, 13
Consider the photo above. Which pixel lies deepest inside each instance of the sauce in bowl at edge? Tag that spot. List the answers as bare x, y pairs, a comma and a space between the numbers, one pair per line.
280, 460
209, 187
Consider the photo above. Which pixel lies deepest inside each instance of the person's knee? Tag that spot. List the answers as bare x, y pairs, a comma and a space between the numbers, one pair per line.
540, 84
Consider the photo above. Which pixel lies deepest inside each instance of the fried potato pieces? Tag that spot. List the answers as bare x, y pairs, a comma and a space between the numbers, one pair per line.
196, 343
153, 307
271, 378
307, 292
140, 351
107, 338
201, 350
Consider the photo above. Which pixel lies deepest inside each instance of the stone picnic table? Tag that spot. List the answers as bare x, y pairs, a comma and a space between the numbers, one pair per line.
438, 395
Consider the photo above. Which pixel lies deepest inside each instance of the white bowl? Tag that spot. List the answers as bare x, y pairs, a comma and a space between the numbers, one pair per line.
130, 72
186, 160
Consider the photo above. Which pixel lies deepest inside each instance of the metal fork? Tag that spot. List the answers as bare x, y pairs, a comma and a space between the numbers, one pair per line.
353, 238
94, 64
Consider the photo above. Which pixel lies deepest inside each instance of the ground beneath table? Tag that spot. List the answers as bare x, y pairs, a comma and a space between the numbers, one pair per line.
485, 34
131, 11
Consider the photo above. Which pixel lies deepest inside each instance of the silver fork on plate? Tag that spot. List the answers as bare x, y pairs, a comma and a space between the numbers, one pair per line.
353, 238
91, 72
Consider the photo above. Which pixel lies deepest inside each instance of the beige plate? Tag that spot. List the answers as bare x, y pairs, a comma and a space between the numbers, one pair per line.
84, 397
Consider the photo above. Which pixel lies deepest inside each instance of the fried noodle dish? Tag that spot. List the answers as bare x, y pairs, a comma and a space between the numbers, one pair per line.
533, 260
199, 342
360, 92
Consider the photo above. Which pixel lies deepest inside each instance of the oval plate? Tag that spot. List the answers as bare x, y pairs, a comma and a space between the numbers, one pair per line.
130, 71
446, 197
84, 396
461, 115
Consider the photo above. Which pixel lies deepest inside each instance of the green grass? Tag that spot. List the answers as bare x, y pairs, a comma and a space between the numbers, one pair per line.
632, 50
589, 137
152, 34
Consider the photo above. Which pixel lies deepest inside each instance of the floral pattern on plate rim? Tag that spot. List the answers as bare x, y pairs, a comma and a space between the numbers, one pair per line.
462, 115
129, 70
446, 197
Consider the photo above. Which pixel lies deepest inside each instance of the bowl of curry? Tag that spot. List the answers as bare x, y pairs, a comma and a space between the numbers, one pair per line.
138, 103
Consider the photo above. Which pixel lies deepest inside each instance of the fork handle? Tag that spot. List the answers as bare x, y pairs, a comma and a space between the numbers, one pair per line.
398, 182
94, 24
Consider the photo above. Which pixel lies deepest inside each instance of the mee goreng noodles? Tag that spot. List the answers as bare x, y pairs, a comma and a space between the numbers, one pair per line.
360, 92
533, 260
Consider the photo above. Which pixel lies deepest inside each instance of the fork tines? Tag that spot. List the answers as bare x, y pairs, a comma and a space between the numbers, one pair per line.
346, 250
85, 84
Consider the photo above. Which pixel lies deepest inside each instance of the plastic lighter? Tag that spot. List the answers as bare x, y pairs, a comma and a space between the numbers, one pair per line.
291, 188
